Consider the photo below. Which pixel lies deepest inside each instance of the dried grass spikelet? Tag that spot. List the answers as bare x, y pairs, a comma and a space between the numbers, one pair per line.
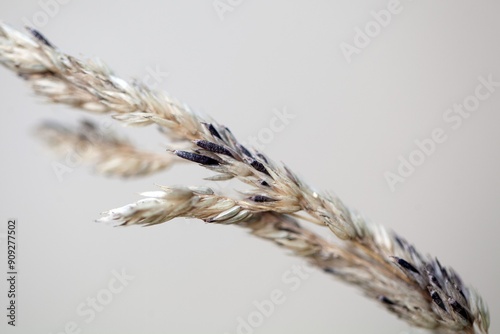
415, 287
172, 202
107, 153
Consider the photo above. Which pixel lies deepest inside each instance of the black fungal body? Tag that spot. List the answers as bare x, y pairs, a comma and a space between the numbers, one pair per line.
386, 300
213, 130
406, 265
330, 271
201, 159
257, 165
40, 37
461, 310
212, 147
262, 199
245, 151
434, 281
437, 300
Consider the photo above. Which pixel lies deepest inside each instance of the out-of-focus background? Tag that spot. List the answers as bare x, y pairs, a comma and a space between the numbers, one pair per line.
361, 87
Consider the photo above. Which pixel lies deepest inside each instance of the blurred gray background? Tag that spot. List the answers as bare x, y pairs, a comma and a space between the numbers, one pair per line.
239, 61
